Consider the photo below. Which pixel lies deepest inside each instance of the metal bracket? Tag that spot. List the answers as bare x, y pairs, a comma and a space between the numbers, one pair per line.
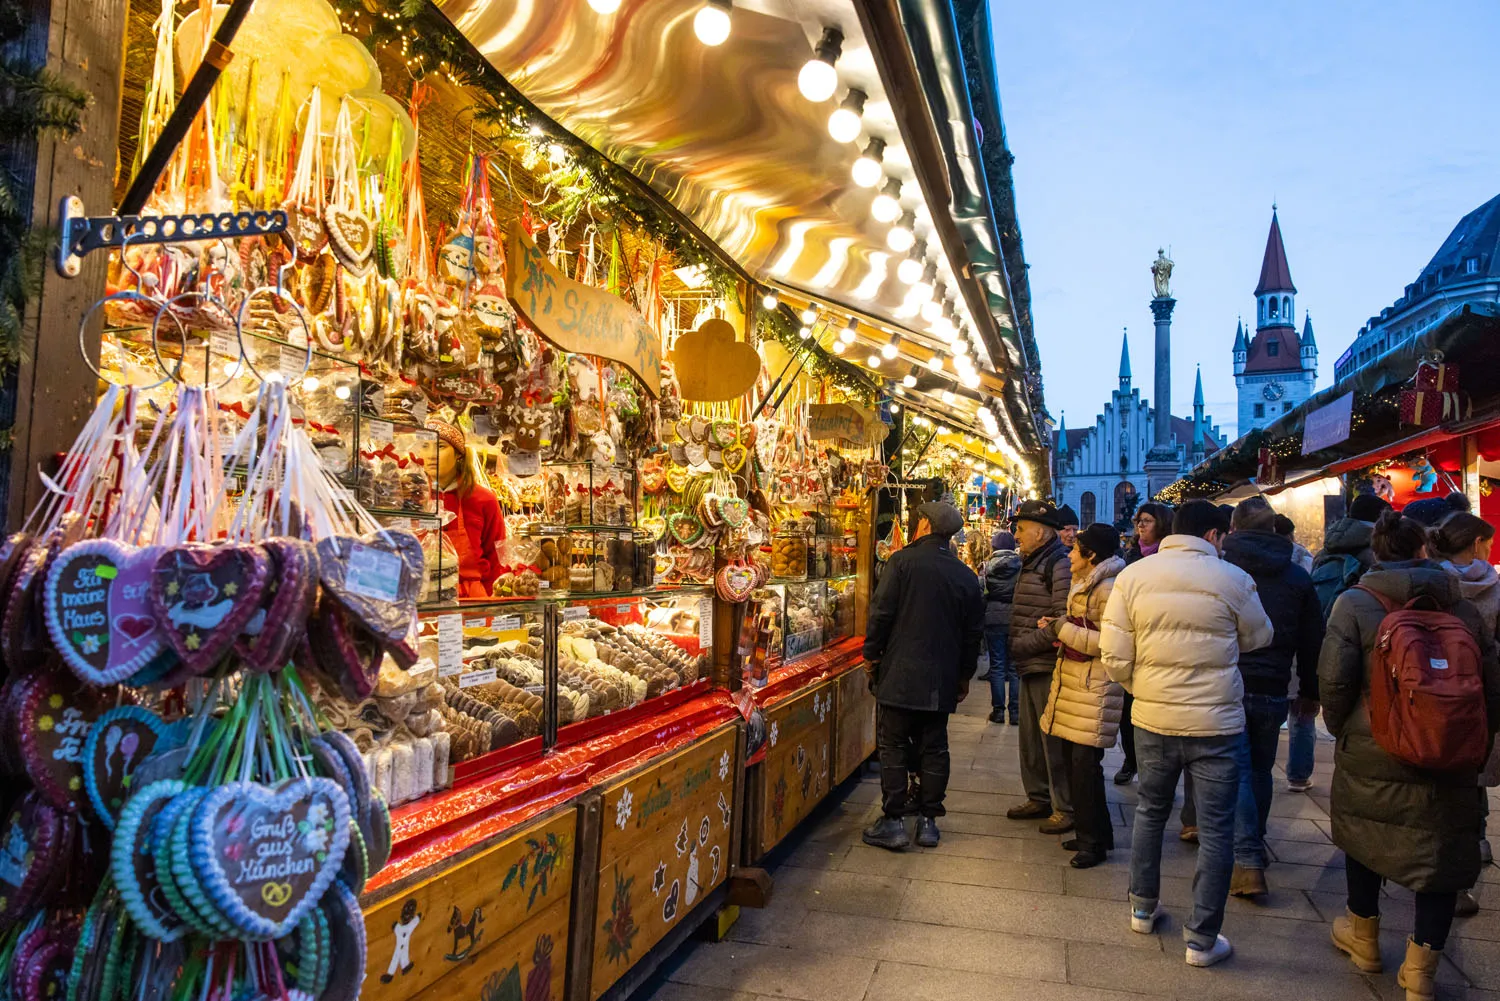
82, 234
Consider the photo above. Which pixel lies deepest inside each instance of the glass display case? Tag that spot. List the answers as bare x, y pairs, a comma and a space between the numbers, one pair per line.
615, 653
806, 604
587, 494
838, 610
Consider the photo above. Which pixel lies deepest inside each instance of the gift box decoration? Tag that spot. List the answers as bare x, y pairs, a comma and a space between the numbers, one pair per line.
1425, 408
1437, 377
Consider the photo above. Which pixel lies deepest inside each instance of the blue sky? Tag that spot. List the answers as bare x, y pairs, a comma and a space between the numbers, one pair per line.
1374, 126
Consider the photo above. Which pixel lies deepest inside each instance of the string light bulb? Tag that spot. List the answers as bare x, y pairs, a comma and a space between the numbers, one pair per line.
850, 331
809, 316
817, 80
867, 170
932, 309
909, 380
901, 237
711, 23
769, 301
886, 207
604, 6
838, 346
892, 347
804, 332
935, 363
845, 122
926, 288
872, 362
909, 271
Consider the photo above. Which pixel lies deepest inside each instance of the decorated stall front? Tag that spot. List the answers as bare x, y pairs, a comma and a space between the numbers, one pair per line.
460, 580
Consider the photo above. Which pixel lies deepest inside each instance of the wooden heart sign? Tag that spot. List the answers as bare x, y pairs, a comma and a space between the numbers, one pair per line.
204, 596
267, 855
97, 606
375, 577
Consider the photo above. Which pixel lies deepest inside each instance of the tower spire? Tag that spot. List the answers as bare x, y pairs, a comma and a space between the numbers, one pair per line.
1198, 415
1125, 360
1062, 434
1275, 273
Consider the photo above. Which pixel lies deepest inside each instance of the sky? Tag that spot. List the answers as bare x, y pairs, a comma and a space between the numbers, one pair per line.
1374, 127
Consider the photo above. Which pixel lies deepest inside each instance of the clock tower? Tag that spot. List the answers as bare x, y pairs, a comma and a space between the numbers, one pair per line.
1274, 370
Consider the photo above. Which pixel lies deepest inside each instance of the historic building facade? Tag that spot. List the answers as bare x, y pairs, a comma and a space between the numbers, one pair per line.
1100, 471
1274, 368
1465, 269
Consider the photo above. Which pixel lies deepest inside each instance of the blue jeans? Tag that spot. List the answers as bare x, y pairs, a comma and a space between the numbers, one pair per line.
1003, 675
1264, 715
1213, 764
1301, 738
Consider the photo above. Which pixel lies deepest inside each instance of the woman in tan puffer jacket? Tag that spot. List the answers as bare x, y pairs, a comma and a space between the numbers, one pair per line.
1084, 706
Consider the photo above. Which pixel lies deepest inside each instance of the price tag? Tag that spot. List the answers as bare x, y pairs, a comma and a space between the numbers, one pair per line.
483, 426
507, 623
575, 613
450, 629
292, 363
225, 343
382, 431
524, 463
705, 622
624, 609
471, 678
297, 335
373, 573
480, 623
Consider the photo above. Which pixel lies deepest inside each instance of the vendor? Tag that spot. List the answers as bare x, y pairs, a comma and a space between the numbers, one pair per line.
478, 525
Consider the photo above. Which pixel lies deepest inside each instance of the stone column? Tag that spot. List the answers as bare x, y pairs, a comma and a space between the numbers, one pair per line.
1162, 465
1161, 309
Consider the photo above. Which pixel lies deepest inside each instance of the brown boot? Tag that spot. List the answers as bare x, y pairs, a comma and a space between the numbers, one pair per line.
1360, 939
1248, 882
1417, 973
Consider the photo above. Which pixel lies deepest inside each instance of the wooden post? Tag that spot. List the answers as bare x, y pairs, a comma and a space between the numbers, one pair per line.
54, 390
1471, 470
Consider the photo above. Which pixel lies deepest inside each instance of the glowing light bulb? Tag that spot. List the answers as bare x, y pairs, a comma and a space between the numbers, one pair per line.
969, 379
935, 363
817, 80
342, 392
804, 333
901, 238
850, 331
809, 316
845, 122
932, 311
711, 23
604, 6
909, 380
887, 205
924, 290
311, 383
838, 347
909, 271
873, 361
892, 348
769, 300
867, 170
894, 407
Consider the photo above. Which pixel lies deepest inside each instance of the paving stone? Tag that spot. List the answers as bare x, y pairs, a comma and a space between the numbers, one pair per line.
1284, 829
1398, 911
1306, 853
987, 803
1253, 973
935, 866
668, 991
906, 982
834, 890
935, 946
1021, 913
787, 973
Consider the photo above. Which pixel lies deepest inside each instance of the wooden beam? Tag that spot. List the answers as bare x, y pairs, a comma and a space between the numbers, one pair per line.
84, 42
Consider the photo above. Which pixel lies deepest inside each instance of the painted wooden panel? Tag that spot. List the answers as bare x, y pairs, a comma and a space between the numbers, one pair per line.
664, 846
505, 909
854, 731
797, 764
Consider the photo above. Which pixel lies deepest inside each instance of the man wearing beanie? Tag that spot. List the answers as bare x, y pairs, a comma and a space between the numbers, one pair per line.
1067, 526
922, 644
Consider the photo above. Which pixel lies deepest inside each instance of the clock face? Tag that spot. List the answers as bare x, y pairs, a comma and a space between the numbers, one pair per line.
1274, 391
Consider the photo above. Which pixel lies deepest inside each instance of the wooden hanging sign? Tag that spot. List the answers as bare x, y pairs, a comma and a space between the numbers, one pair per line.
845, 422
578, 317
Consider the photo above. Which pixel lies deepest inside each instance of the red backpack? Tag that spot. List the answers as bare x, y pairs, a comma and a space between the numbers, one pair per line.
1426, 690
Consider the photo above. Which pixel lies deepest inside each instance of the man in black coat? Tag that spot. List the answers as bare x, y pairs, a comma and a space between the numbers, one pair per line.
921, 648
1287, 594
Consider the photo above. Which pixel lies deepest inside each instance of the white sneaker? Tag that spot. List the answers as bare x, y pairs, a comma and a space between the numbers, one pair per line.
1302, 786
1144, 922
1221, 951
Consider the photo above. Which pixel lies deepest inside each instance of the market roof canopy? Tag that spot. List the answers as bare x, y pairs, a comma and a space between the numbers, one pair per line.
722, 131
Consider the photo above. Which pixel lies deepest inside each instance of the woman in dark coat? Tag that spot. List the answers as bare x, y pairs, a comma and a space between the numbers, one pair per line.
1414, 827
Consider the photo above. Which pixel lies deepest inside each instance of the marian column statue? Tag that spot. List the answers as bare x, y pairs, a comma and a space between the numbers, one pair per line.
1161, 274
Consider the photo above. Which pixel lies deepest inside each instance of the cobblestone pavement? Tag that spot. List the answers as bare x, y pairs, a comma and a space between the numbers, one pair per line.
995, 912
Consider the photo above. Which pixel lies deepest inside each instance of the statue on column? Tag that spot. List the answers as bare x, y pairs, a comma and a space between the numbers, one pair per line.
1161, 274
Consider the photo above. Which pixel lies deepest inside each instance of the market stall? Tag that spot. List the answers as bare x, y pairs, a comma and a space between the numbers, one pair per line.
471, 541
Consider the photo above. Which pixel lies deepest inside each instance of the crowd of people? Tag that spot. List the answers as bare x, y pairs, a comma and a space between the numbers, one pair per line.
1192, 643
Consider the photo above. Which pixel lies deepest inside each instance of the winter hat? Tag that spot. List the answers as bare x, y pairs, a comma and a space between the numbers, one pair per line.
1066, 516
1002, 540
1041, 512
447, 432
1100, 540
1430, 511
1367, 507
944, 518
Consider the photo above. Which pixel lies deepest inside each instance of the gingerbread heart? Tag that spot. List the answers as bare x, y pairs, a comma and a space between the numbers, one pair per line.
685, 527
734, 457
96, 603
733, 511
677, 478
735, 582
31, 846
266, 855
118, 742
696, 453
19, 624
306, 230
375, 577
55, 713
655, 526
351, 237
204, 596
290, 596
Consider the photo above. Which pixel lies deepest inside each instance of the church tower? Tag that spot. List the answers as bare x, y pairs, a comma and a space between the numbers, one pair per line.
1274, 370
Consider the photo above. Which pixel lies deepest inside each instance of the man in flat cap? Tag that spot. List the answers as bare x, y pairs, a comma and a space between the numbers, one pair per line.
922, 645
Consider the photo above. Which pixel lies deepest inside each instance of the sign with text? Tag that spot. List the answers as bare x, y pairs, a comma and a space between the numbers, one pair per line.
845, 422
578, 317
1327, 426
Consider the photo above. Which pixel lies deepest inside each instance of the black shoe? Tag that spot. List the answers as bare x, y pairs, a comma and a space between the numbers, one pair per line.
1015, 721
1124, 775
983, 677
887, 832
1087, 859
997, 715
1070, 845
1029, 810
927, 833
